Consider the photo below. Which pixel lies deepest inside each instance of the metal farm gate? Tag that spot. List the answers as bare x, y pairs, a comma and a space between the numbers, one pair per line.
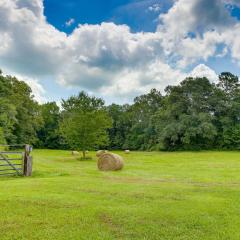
11, 163
15, 162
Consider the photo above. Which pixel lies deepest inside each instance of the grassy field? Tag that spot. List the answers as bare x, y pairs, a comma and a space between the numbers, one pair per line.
157, 196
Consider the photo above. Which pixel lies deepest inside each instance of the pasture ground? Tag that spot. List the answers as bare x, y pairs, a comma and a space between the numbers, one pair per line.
158, 195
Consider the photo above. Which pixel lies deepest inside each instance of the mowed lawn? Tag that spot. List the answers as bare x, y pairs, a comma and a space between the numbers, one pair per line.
183, 195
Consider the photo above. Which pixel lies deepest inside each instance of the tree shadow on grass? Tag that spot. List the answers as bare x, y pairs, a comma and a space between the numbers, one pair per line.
84, 158
41, 174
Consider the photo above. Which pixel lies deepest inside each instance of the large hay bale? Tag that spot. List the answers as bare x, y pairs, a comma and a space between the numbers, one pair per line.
100, 152
110, 162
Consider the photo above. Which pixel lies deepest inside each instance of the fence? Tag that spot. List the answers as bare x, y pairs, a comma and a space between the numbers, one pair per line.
15, 162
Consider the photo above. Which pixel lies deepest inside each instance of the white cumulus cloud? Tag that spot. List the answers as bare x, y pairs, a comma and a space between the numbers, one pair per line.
70, 22
37, 89
204, 71
109, 59
155, 8
193, 30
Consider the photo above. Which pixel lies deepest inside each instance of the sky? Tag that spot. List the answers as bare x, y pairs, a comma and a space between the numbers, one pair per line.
116, 49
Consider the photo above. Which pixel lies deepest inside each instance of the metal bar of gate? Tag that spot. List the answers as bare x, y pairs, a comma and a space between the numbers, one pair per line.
11, 159
6, 165
7, 174
9, 169
14, 145
11, 153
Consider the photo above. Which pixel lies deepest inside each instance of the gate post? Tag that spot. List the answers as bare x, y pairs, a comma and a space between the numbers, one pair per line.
27, 161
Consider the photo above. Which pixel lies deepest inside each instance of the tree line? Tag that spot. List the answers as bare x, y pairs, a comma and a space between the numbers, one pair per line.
194, 115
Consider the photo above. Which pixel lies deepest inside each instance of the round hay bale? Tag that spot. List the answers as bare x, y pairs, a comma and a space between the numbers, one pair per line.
110, 162
100, 152
127, 151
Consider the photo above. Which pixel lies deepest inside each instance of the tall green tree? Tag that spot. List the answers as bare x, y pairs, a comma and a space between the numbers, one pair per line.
142, 134
228, 82
228, 111
186, 119
49, 135
2, 137
20, 115
85, 122
121, 125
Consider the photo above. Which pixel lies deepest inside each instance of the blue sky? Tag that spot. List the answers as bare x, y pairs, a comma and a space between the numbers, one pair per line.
117, 49
133, 13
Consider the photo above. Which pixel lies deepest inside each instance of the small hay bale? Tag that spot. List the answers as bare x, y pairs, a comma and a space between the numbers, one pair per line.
100, 152
127, 151
75, 153
110, 162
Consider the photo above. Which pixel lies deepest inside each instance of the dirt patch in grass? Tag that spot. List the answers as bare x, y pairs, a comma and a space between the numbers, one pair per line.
162, 180
115, 228
49, 204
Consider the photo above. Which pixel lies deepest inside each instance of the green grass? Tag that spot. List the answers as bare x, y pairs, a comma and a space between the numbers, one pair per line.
156, 196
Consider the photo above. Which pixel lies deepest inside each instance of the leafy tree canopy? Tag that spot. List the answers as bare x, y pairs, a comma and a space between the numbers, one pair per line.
84, 122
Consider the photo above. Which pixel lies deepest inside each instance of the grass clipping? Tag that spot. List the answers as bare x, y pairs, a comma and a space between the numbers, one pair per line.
109, 161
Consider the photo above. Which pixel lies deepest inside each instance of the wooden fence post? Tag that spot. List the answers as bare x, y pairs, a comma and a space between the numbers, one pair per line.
27, 161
